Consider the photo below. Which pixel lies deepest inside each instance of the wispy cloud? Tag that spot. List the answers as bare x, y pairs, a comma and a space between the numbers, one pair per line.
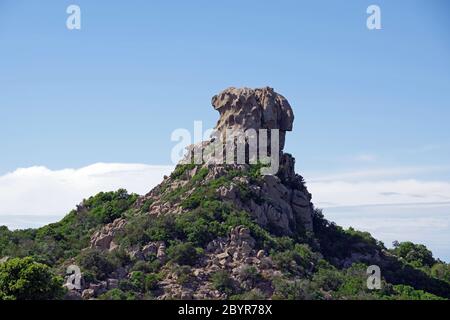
391, 203
42, 191
424, 148
360, 193
384, 173
364, 157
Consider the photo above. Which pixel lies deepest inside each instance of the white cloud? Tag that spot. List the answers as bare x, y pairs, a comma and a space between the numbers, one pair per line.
388, 202
371, 193
41, 191
429, 225
365, 157
374, 174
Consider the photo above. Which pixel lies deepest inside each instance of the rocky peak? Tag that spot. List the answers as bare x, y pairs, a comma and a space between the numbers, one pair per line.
245, 108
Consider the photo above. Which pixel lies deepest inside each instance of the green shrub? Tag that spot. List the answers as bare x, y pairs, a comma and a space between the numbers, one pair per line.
416, 254
250, 274
57, 242
183, 253
25, 279
151, 282
137, 280
184, 275
222, 281
285, 289
441, 271
297, 260
409, 293
146, 205
108, 206
253, 295
328, 279
114, 294
142, 266
200, 175
97, 262
126, 285
181, 169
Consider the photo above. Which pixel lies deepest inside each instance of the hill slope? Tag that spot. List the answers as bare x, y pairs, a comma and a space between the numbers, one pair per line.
225, 231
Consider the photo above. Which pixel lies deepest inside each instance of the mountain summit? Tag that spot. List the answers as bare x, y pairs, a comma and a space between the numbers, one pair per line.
223, 226
279, 201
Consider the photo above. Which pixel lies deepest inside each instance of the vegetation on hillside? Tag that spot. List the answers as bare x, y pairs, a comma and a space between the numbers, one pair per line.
315, 266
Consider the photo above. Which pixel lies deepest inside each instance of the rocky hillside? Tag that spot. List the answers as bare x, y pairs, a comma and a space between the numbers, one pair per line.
225, 231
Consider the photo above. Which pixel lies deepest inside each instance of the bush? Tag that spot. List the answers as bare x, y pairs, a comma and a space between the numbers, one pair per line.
222, 281
184, 275
25, 279
183, 253
254, 295
142, 266
415, 254
409, 293
137, 280
336, 243
57, 242
151, 282
108, 206
126, 285
296, 260
181, 169
441, 271
198, 227
328, 279
294, 290
146, 205
116, 294
250, 274
99, 264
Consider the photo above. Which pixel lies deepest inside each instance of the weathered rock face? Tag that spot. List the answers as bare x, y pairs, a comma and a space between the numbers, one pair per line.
244, 108
280, 204
103, 239
235, 254
286, 203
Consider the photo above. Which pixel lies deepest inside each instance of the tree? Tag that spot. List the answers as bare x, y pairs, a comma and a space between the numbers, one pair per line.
25, 279
221, 281
441, 271
416, 254
96, 262
183, 253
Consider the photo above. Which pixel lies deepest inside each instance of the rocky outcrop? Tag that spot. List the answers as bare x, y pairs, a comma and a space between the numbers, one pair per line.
245, 108
285, 202
235, 254
4, 259
279, 203
275, 205
103, 239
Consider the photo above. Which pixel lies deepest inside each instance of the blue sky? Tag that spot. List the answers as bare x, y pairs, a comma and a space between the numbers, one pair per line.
370, 106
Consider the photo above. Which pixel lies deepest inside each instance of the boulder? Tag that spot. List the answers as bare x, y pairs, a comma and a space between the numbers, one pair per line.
88, 294
245, 108
103, 239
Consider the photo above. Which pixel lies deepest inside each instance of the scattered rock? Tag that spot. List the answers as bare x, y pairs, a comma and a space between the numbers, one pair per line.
88, 294
103, 238
112, 284
260, 254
